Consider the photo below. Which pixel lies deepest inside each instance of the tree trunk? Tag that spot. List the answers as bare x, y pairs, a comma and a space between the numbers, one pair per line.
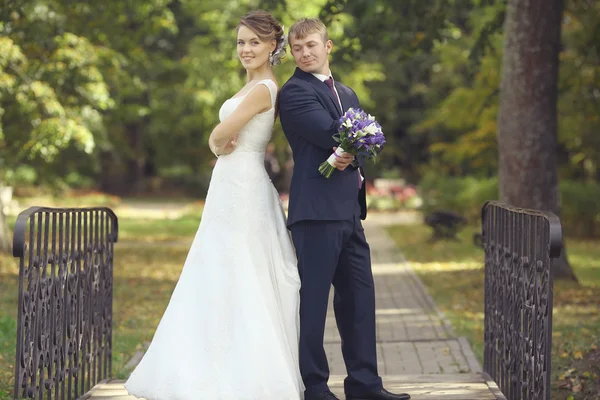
134, 165
527, 120
5, 239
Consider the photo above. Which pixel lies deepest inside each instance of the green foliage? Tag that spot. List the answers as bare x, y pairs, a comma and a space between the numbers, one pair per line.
22, 175
38, 119
462, 101
120, 92
580, 210
396, 38
461, 125
464, 196
579, 85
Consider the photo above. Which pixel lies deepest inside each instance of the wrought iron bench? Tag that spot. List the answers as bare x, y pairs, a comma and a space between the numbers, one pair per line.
445, 224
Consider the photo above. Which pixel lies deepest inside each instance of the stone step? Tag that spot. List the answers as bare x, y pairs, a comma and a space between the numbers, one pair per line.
420, 387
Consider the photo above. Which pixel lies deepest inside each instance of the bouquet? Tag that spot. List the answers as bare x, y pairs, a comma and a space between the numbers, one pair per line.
359, 134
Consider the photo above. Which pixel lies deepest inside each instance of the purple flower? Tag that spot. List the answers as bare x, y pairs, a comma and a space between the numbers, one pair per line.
360, 133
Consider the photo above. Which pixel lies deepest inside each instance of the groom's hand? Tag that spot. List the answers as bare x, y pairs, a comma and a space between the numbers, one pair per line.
342, 161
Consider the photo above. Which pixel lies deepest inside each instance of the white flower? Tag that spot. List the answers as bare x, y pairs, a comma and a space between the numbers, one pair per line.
371, 129
347, 123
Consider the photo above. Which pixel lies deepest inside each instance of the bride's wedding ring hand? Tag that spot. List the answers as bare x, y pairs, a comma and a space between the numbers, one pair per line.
229, 147
343, 161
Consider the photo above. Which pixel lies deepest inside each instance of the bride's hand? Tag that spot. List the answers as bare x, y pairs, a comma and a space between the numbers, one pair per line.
229, 147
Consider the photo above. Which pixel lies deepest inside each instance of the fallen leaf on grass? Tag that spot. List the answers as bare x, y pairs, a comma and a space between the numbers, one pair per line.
569, 372
566, 384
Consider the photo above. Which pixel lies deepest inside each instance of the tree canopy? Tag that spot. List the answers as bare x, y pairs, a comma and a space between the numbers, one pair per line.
111, 94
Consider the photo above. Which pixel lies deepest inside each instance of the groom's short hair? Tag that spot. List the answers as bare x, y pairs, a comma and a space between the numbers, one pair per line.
308, 26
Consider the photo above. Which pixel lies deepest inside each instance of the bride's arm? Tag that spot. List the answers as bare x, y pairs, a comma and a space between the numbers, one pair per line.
257, 101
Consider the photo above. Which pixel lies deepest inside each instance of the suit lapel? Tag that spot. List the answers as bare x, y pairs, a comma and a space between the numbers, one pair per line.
343, 97
332, 98
321, 87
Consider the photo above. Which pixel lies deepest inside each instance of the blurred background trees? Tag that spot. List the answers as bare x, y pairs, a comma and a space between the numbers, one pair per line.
120, 97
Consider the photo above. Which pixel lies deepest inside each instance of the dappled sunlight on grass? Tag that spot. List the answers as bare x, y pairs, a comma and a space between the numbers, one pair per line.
8, 320
142, 220
145, 277
158, 262
73, 198
584, 256
9, 266
153, 230
444, 266
414, 242
399, 311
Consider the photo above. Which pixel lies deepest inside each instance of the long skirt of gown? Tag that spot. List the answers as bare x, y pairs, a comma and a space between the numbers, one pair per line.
230, 331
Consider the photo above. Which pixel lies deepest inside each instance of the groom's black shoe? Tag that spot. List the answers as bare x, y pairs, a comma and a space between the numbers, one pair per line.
381, 394
322, 396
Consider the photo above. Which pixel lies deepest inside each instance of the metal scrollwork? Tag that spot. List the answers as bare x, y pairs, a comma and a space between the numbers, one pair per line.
64, 319
519, 245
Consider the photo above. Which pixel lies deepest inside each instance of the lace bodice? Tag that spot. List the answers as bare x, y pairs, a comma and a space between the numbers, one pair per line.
255, 136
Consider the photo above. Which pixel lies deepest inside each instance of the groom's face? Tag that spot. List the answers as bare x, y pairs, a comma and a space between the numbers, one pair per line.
311, 53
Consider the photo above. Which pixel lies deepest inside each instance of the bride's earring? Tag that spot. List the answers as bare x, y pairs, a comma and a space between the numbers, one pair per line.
271, 57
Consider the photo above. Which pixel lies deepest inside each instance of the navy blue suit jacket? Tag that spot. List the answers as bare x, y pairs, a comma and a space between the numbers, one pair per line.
309, 115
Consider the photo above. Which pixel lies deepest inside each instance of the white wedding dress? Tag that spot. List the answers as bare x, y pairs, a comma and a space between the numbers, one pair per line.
230, 331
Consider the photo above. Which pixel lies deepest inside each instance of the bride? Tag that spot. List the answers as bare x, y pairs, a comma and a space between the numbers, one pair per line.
230, 331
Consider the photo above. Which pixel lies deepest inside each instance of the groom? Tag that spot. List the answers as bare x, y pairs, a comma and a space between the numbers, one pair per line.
324, 219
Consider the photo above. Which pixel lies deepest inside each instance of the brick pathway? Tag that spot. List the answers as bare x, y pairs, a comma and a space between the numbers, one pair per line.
417, 350
412, 335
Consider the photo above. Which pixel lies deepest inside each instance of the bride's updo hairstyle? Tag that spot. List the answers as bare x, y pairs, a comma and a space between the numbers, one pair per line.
266, 28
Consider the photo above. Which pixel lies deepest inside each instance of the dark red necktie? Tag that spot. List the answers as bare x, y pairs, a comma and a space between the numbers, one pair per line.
329, 83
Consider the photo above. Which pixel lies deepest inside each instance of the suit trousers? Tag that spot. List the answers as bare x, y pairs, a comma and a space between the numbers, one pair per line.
336, 253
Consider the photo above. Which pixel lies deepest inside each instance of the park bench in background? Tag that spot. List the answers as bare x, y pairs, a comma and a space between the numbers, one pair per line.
64, 320
445, 224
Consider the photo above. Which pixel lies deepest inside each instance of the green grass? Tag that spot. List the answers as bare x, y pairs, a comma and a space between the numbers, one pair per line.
8, 324
144, 280
453, 274
177, 221
159, 230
